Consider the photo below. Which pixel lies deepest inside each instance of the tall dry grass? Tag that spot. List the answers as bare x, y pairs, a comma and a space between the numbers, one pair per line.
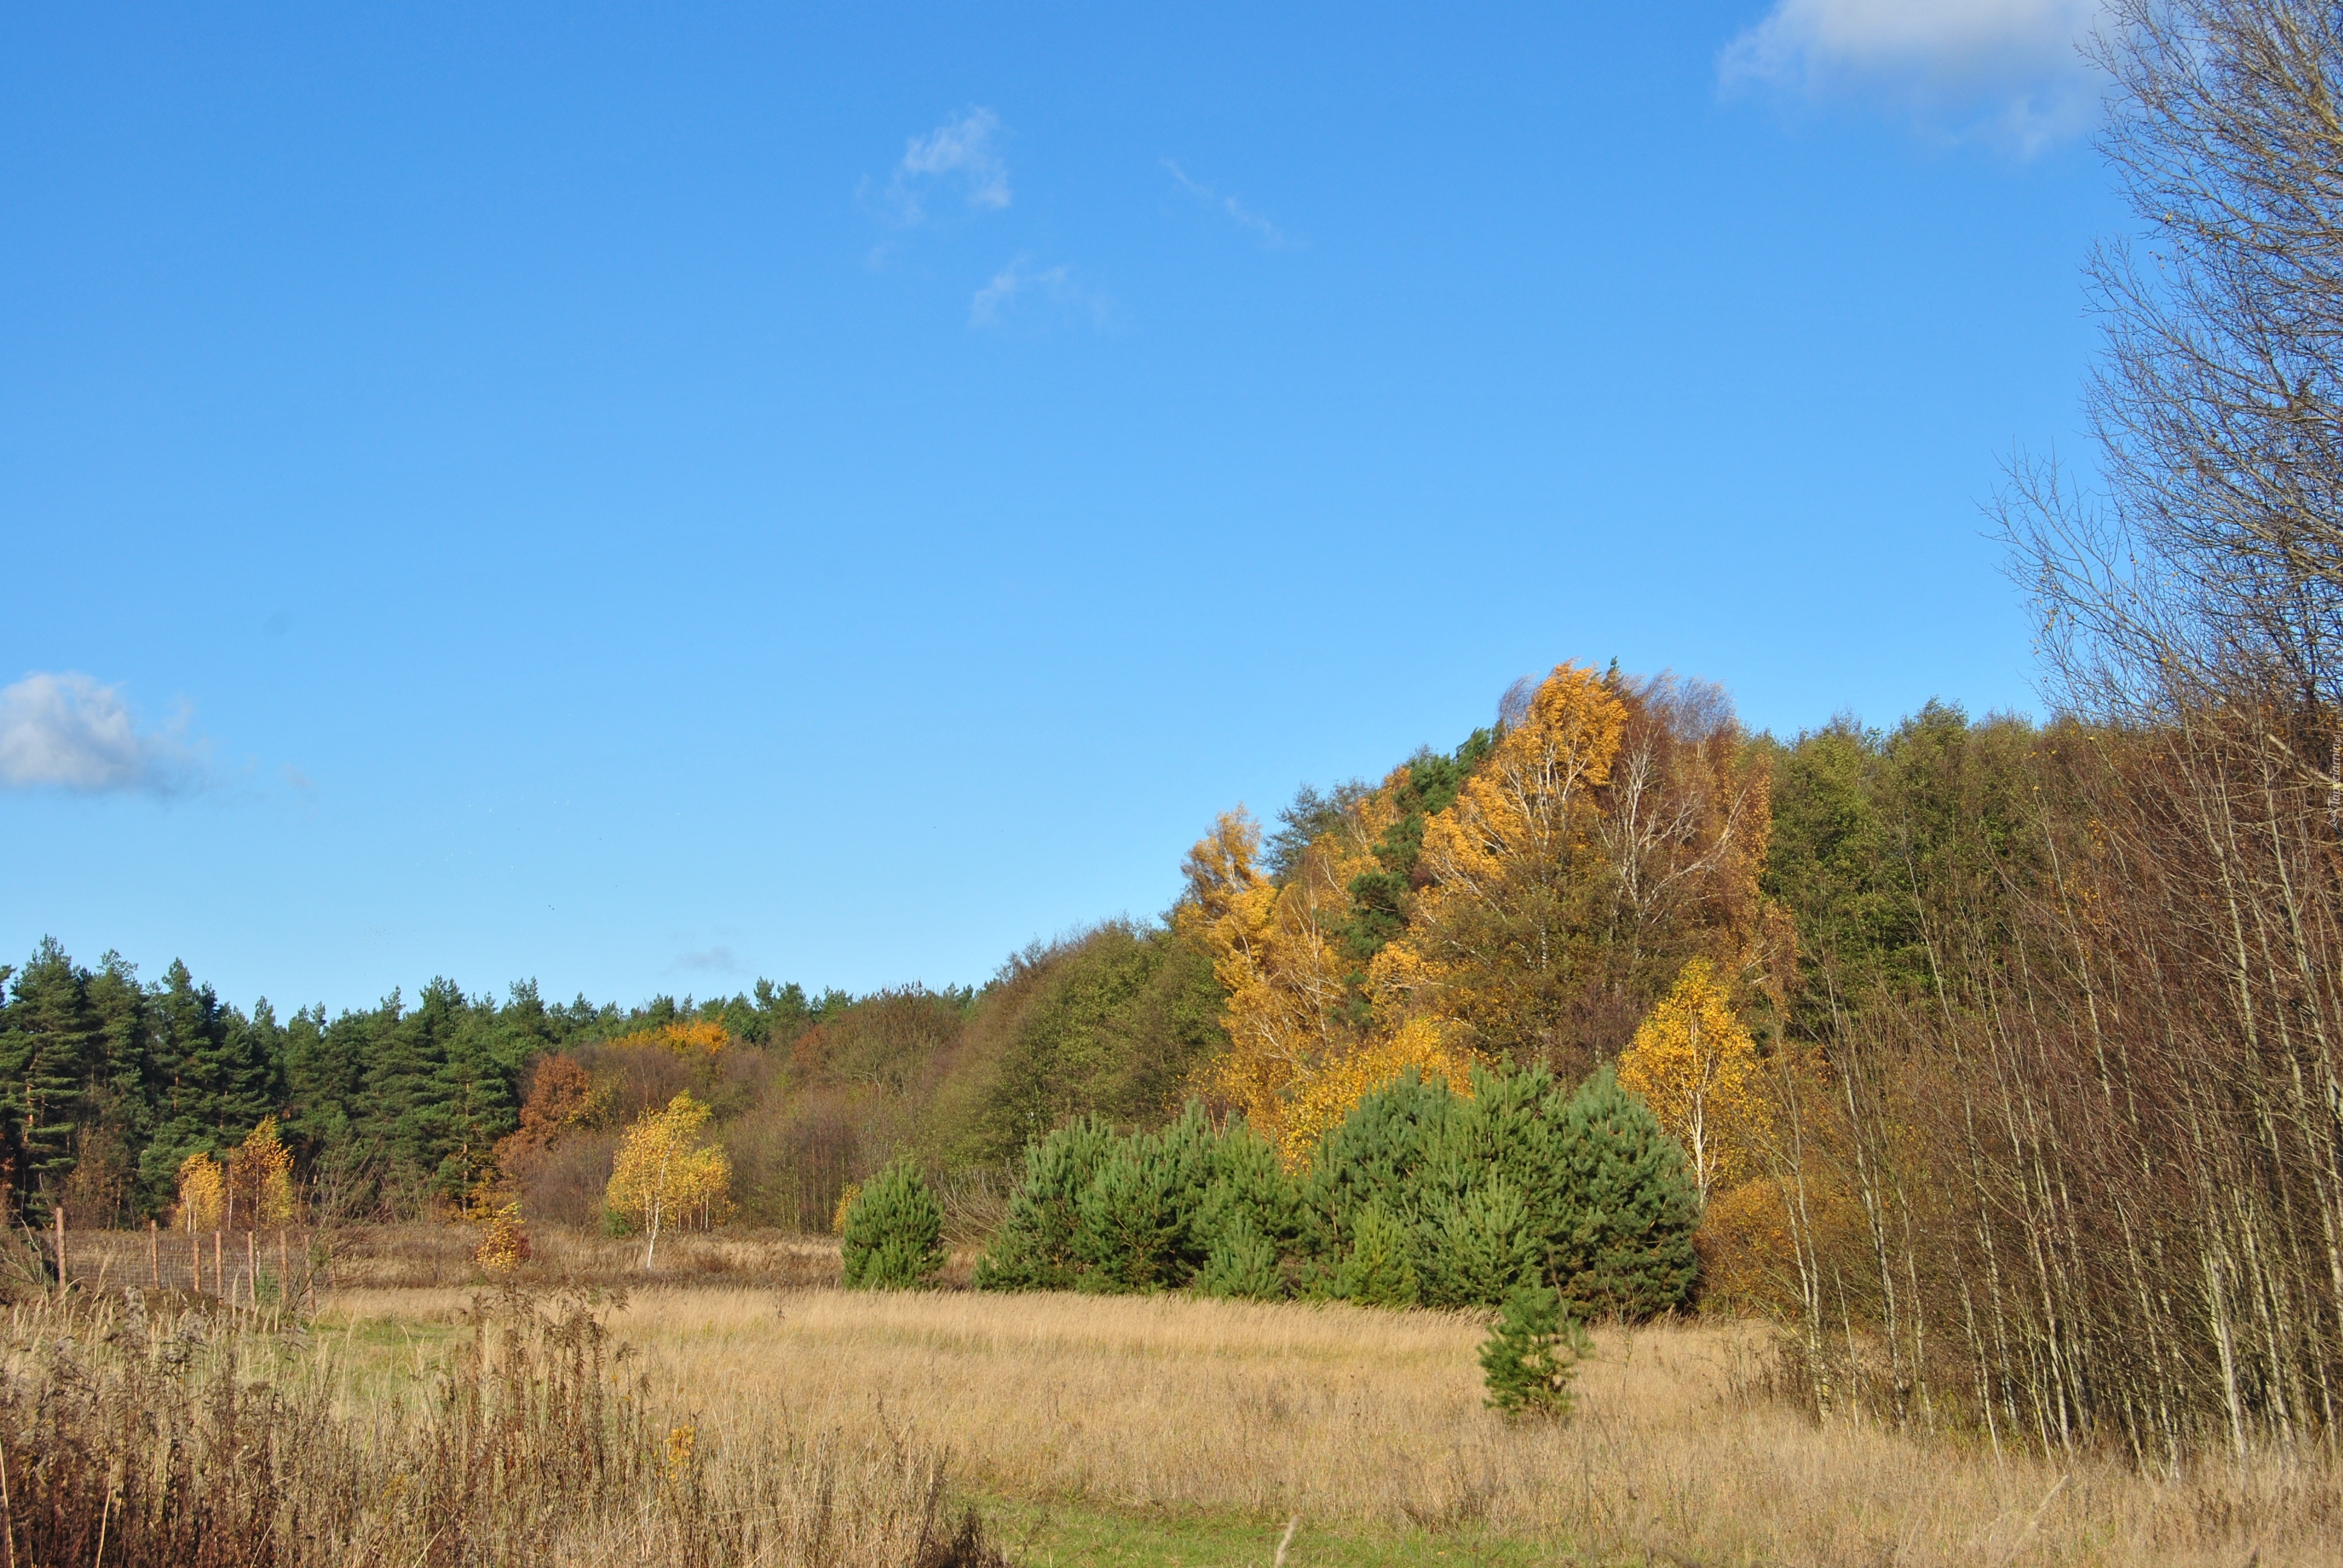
141, 1430
1375, 1420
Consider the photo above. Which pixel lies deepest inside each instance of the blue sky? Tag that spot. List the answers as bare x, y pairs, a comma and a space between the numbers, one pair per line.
647, 496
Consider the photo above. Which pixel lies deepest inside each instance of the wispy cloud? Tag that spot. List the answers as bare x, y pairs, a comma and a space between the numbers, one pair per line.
959, 154
1022, 280
716, 959
1234, 210
2010, 72
68, 732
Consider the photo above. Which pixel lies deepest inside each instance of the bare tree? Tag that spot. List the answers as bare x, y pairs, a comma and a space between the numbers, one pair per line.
2216, 550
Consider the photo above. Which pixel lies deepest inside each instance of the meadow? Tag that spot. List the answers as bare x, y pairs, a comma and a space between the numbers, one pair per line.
745, 1409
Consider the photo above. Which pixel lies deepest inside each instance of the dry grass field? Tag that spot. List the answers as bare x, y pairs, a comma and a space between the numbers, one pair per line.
1210, 1423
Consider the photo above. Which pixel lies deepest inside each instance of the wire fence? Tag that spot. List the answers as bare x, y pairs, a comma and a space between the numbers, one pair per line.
249, 1268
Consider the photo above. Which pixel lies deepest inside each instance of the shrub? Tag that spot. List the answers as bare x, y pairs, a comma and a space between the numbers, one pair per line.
894, 1232
1034, 1249
1519, 1184
1533, 1357
1241, 1264
1628, 1250
1379, 1270
1129, 1220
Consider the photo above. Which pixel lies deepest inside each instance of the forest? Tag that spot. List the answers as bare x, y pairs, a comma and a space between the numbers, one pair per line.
1997, 1058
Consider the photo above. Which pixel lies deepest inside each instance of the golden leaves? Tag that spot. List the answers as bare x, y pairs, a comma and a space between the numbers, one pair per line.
662, 1173
1513, 865
260, 1176
1696, 1065
683, 1037
203, 1192
1317, 1102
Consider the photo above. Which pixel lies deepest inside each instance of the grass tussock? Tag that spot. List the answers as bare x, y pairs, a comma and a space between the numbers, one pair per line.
138, 1430
1373, 1422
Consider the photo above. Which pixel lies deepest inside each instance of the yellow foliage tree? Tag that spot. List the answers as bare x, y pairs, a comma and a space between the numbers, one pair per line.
1696, 1065
1277, 948
203, 1191
663, 1174
1318, 1102
684, 1037
260, 1178
1516, 869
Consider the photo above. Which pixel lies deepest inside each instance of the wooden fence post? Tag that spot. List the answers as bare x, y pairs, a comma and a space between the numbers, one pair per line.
61, 1248
155, 1251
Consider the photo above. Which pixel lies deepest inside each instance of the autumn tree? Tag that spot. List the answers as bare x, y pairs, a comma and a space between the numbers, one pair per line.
203, 1189
1695, 1064
1501, 938
1276, 951
260, 1178
663, 1173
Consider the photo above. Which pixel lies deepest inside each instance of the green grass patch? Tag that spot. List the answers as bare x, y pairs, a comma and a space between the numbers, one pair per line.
1064, 1535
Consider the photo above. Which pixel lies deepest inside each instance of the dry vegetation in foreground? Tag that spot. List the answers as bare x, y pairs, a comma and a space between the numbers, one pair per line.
1373, 1421
160, 1430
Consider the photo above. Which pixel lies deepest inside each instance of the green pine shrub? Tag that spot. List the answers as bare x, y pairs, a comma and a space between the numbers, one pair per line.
1478, 1248
1034, 1248
1628, 1249
1532, 1358
894, 1232
1149, 1212
1522, 1182
1378, 1268
1131, 1222
1241, 1264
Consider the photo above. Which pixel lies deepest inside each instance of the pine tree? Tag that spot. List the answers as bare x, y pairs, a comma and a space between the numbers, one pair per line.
1629, 1247
48, 1049
894, 1232
1034, 1248
1378, 1268
1242, 1262
1131, 1219
1532, 1358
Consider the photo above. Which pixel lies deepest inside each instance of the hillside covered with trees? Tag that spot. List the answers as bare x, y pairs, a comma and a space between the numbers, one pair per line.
2002, 1061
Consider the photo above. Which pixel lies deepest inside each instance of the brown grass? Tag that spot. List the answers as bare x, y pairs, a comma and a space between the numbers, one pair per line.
1374, 1421
154, 1432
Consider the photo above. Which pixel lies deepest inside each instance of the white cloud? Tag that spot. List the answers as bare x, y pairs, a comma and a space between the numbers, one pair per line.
1236, 211
2010, 71
66, 731
1022, 280
957, 153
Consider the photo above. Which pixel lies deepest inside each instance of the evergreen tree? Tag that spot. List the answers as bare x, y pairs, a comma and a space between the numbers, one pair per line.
1533, 1357
49, 1048
1378, 1269
1242, 1262
1629, 1248
894, 1232
1034, 1248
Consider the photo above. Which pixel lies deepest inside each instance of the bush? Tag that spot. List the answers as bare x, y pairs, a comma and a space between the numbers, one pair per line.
1628, 1250
1521, 1183
1379, 1270
1533, 1357
1150, 1212
894, 1232
1034, 1249
1241, 1264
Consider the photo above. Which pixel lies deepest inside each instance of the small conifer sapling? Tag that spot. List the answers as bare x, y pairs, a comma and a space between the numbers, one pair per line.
1532, 1358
